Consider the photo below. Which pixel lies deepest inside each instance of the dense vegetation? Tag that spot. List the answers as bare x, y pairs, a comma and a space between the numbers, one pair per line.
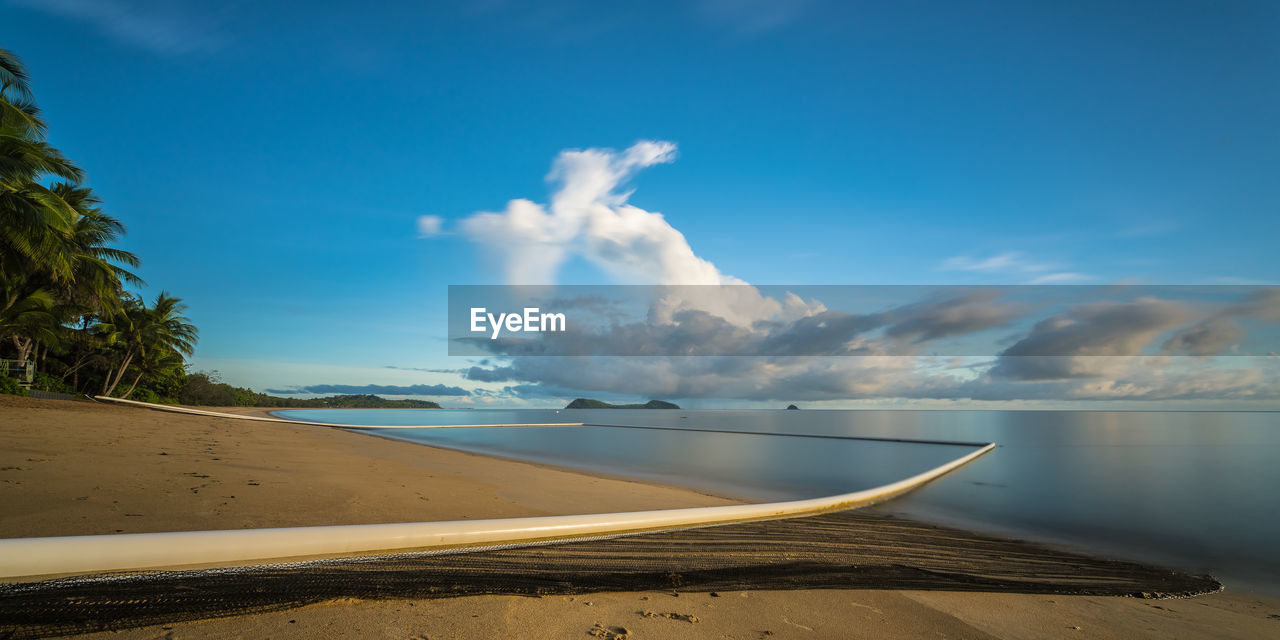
63, 298
204, 389
586, 403
363, 401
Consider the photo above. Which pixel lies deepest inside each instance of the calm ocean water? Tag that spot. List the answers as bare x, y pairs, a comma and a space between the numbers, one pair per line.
1195, 490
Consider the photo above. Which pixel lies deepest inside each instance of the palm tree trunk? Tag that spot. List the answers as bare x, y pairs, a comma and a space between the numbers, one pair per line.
119, 374
106, 381
24, 347
74, 370
106, 391
131, 387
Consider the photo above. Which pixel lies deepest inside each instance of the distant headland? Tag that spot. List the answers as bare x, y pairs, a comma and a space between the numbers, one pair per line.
586, 403
364, 401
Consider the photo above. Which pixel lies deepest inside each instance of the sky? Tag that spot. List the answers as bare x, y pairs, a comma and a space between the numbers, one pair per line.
310, 180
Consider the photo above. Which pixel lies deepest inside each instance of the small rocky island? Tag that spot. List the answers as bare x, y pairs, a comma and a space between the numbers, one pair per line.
586, 403
792, 407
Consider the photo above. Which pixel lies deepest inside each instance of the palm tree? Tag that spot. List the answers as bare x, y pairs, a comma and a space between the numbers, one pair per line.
96, 282
32, 216
80, 347
53, 239
148, 333
156, 362
18, 109
33, 316
62, 284
97, 275
13, 75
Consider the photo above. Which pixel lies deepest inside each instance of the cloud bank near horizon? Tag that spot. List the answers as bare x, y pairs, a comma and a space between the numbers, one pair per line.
1109, 350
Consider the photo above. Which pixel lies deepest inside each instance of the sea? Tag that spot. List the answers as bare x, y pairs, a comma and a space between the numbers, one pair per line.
1197, 491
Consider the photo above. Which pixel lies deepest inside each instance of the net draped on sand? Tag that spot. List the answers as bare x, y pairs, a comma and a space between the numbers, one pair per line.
847, 550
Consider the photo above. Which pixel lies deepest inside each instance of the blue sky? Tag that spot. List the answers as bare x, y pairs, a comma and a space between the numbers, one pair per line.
272, 160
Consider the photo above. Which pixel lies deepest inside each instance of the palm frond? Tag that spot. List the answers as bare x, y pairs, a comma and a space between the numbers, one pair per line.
13, 75
21, 117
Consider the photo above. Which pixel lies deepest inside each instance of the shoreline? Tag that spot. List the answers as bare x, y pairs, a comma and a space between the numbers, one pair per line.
49, 556
79, 468
883, 508
177, 472
595, 473
1057, 542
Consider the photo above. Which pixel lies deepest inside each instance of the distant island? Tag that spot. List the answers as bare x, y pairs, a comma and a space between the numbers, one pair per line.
792, 407
363, 401
585, 403
204, 389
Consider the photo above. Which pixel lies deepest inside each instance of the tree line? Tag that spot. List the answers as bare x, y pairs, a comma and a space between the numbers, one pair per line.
205, 388
66, 310
64, 299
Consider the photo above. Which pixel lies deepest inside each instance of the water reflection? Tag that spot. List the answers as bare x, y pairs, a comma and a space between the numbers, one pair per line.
751, 466
1190, 489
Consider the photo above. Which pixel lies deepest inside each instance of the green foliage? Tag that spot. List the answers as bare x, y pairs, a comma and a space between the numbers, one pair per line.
206, 389
63, 302
166, 383
145, 395
10, 386
46, 382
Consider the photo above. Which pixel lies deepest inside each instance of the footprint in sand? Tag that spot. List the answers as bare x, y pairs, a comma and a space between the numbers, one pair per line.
609, 633
670, 615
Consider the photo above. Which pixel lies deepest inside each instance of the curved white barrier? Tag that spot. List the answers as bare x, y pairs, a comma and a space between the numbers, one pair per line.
23, 557
239, 416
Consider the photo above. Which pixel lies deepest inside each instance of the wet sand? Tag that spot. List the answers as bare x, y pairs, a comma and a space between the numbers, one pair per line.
80, 468
77, 468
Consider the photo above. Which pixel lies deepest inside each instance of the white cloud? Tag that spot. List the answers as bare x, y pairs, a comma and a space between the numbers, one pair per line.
430, 226
1015, 264
1145, 378
1062, 277
1008, 261
589, 216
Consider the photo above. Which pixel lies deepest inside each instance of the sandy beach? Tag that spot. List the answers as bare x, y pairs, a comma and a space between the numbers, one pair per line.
83, 468
72, 468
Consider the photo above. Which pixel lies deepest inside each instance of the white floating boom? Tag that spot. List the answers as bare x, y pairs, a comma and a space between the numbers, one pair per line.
29, 557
